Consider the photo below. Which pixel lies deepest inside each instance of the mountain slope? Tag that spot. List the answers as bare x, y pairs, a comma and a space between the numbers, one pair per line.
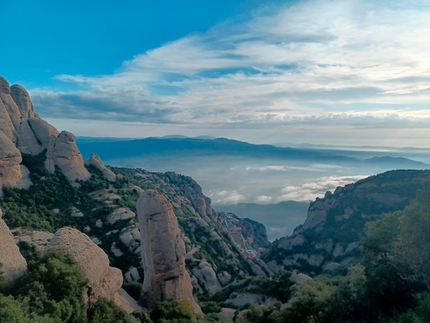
336, 223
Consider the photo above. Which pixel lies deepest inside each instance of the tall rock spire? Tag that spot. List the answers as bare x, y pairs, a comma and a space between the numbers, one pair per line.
163, 253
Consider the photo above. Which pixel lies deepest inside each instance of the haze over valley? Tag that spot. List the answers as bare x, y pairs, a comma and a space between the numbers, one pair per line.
232, 172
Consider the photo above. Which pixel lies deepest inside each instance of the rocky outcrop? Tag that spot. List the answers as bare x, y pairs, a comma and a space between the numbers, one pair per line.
32, 135
336, 223
97, 163
13, 263
163, 253
65, 154
22, 100
104, 281
193, 191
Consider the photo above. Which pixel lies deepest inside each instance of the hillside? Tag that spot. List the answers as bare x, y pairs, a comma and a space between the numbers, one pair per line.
335, 224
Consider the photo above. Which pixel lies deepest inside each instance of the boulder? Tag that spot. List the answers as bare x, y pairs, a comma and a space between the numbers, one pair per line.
14, 264
104, 281
163, 253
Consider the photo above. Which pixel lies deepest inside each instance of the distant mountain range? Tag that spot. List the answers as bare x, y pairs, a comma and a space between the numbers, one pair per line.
110, 149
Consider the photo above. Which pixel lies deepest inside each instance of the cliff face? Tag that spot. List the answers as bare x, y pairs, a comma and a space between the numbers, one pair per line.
13, 263
163, 253
336, 223
23, 131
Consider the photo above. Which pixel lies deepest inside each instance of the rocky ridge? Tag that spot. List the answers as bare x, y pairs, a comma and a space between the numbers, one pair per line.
101, 202
23, 131
335, 224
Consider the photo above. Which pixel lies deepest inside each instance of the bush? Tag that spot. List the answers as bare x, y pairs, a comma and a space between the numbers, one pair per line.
173, 312
105, 311
11, 311
54, 288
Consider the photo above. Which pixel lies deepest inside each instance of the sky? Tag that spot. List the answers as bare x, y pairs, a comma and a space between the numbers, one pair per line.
342, 72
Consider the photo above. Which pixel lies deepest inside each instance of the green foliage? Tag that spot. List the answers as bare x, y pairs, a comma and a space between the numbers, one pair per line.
324, 299
32, 208
210, 307
173, 312
54, 287
11, 311
28, 251
105, 311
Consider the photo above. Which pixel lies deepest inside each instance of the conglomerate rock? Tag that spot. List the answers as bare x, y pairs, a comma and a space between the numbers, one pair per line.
13, 263
163, 253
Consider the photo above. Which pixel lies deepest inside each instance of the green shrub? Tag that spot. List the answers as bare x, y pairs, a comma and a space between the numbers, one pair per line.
54, 287
173, 312
105, 311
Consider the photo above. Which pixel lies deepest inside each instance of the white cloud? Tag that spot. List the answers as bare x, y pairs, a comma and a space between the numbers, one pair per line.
318, 62
311, 190
226, 197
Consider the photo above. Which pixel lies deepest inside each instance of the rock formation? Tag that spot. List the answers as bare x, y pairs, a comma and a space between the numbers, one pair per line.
163, 253
14, 264
65, 154
193, 191
30, 134
97, 163
104, 281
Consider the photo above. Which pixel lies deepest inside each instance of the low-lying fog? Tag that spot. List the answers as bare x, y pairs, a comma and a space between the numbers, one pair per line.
231, 180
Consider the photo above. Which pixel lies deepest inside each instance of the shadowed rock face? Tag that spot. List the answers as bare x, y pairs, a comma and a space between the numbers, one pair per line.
14, 264
163, 253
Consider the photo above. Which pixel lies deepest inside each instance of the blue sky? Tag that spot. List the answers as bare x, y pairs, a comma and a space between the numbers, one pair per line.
350, 72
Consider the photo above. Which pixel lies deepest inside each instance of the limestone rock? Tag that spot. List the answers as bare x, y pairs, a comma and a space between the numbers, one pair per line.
96, 162
14, 264
163, 253
65, 154
104, 281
